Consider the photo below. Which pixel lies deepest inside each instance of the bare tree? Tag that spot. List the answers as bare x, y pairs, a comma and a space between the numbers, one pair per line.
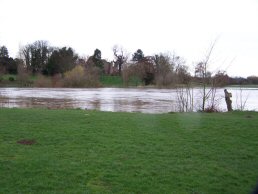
120, 58
201, 72
213, 99
220, 79
36, 56
240, 100
163, 69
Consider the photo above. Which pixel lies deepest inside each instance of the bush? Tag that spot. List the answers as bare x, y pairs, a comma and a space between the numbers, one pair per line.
75, 77
211, 109
92, 77
23, 77
57, 81
164, 80
43, 82
11, 79
130, 77
78, 77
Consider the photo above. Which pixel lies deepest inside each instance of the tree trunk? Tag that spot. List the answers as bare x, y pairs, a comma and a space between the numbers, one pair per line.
228, 100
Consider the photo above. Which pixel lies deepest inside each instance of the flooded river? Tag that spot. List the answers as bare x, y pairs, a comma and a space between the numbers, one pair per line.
116, 99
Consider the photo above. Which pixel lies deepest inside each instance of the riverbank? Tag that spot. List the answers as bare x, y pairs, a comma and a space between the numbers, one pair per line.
9, 80
76, 151
105, 81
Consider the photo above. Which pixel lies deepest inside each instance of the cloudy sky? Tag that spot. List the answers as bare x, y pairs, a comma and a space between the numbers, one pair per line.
185, 27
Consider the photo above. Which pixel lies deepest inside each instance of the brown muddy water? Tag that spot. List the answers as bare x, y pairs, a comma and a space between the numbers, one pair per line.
117, 99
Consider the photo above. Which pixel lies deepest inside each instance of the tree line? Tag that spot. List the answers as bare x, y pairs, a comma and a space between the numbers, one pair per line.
159, 69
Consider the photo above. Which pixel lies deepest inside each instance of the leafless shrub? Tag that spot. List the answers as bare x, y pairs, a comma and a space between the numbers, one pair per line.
240, 100
164, 65
184, 89
43, 81
23, 76
92, 77
185, 98
133, 70
211, 109
126, 74
213, 99
57, 81
165, 80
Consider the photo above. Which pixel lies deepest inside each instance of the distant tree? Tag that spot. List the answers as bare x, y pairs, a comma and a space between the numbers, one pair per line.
61, 60
163, 69
25, 54
120, 58
96, 58
183, 76
97, 54
4, 52
36, 56
183, 85
40, 53
143, 67
7, 64
252, 79
138, 55
221, 78
237, 81
145, 70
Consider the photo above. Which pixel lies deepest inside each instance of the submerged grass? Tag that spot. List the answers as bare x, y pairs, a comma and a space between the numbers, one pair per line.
76, 151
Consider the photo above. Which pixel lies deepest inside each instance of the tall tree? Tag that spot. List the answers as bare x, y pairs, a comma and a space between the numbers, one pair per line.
7, 64
144, 67
120, 58
61, 60
40, 55
4, 52
138, 55
97, 59
97, 54
163, 69
36, 56
205, 77
25, 54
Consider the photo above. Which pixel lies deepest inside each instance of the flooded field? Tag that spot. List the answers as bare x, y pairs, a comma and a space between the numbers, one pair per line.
117, 99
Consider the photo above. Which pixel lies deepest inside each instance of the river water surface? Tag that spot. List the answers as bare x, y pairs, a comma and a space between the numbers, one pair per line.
117, 99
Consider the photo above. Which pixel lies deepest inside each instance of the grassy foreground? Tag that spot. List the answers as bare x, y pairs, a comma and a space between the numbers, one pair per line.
80, 151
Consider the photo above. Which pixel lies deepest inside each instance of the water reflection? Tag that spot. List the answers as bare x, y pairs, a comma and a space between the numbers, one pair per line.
109, 99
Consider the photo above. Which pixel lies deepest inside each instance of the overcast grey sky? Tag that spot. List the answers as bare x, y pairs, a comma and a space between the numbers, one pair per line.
186, 27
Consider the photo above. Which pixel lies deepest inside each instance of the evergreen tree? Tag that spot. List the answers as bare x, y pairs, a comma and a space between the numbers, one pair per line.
4, 52
138, 55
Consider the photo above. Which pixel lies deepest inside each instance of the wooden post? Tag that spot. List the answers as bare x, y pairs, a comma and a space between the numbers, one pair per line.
228, 100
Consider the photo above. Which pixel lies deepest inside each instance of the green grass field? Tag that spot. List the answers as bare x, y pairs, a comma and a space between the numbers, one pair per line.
117, 81
111, 81
105, 81
78, 151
